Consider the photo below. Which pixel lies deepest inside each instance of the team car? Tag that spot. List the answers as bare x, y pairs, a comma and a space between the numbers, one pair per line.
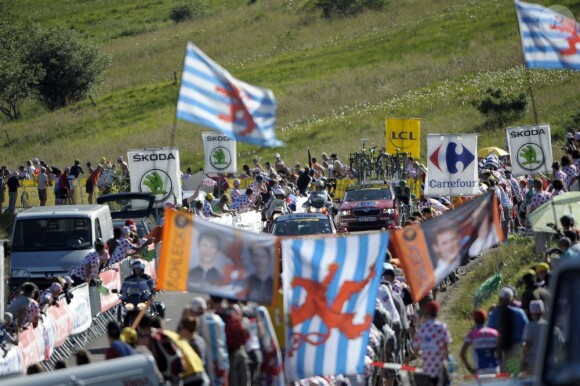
369, 206
303, 224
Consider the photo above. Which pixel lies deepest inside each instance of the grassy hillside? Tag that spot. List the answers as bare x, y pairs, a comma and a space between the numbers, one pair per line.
334, 80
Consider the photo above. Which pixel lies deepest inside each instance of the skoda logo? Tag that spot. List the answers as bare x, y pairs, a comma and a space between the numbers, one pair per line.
530, 157
220, 158
158, 182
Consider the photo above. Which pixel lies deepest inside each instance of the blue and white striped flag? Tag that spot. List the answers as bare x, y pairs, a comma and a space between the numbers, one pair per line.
330, 288
210, 96
550, 36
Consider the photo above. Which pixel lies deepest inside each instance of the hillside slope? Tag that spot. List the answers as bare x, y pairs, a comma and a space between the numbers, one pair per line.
334, 80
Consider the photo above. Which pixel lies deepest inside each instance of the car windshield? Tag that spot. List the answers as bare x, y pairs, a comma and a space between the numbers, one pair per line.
302, 227
52, 234
368, 194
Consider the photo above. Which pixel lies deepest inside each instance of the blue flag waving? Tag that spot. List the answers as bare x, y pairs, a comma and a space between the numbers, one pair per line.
550, 36
330, 289
210, 96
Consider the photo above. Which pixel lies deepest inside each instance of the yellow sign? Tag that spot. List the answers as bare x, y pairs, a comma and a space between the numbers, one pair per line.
403, 136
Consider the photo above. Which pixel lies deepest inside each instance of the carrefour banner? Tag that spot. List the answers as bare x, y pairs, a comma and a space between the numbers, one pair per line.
452, 165
403, 136
201, 256
156, 171
220, 153
530, 149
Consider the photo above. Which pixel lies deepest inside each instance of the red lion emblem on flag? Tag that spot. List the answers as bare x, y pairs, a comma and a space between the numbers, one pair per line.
316, 304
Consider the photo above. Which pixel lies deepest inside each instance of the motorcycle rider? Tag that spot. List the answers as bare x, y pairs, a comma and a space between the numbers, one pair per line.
319, 192
278, 204
138, 268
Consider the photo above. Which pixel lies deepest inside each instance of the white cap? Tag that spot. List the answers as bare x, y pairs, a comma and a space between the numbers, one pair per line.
68, 280
506, 293
277, 155
55, 287
198, 305
125, 230
536, 307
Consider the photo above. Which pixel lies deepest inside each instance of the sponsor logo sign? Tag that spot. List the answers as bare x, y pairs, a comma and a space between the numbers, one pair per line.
530, 149
452, 165
403, 136
156, 171
220, 153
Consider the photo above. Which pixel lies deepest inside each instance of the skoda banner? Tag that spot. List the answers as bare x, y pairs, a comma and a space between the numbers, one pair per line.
452, 165
530, 149
220, 153
156, 171
403, 136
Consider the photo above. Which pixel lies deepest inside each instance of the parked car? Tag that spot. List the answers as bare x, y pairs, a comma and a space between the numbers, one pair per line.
366, 207
131, 205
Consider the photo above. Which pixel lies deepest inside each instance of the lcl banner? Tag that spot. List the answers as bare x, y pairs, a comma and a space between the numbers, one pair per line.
156, 171
530, 149
220, 153
403, 136
452, 165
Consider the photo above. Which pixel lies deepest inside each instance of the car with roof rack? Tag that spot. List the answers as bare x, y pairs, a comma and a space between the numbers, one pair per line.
367, 206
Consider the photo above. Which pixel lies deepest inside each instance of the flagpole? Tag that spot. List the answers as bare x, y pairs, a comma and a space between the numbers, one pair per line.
534, 106
174, 128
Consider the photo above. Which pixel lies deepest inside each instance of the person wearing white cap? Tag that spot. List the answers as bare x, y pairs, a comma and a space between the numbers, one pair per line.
236, 190
532, 333
510, 322
279, 164
125, 247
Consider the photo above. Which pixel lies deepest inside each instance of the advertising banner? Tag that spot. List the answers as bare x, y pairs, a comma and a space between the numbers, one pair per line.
451, 165
430, 251
330, 288
403, 136
80, 307
530, 149
202, 256
156, 171
111, 279
220, 153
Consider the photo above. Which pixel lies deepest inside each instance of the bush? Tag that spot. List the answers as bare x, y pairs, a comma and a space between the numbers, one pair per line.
343, 8
499, 108
187, 10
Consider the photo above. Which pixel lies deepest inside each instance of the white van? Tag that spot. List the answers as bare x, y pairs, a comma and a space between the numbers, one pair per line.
138, 370
48, 241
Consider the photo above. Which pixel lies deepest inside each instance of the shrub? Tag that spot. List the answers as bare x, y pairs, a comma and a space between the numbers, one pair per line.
187, 10
500, 108
343, 8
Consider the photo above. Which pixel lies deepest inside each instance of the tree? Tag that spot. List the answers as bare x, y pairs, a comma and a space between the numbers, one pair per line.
500, 108
71, 67
18, 78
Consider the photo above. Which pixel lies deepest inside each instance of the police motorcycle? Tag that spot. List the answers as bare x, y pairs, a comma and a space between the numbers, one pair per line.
137, 293
277, 208
318, 200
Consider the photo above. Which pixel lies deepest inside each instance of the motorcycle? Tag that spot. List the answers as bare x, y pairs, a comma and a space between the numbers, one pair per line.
135, 297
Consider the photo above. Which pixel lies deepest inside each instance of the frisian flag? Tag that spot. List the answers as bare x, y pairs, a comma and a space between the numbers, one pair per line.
210, 96
550, 39
330, 287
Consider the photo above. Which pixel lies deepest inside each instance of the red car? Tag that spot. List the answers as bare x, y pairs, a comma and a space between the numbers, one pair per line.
366, 207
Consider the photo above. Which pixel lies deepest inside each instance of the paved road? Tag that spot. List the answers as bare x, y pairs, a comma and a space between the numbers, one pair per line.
174, 303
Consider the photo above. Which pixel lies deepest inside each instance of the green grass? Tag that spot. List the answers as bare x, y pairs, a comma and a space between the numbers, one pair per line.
334, 80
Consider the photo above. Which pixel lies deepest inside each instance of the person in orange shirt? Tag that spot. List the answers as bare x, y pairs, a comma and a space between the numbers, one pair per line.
92, 182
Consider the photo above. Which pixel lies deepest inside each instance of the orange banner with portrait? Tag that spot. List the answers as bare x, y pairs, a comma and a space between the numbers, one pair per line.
205, 257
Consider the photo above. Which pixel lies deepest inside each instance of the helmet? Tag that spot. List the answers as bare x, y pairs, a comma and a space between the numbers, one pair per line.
319, 183
138, 264
279, 192
402, 182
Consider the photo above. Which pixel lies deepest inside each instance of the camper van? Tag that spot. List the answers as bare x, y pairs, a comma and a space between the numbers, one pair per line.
48, 241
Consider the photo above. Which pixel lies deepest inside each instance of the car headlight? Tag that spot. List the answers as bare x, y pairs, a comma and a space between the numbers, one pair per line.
389, 211
344, 212
129, 306
141, 306
19, 273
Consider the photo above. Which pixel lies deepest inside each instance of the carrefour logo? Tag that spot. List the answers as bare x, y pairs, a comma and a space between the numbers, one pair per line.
447, 161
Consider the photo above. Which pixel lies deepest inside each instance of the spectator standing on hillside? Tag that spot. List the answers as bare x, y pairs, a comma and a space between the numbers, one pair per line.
42, 186
13, 183
63, 186
484, 343
76, 170
431, 343
123, 165
509, 321
92, 182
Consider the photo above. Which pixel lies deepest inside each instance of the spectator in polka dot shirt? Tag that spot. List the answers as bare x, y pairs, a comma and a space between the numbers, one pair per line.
570, 170
125, 247
432, 342
244, 203
88, 269
540, 197
235, 191
207, 209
